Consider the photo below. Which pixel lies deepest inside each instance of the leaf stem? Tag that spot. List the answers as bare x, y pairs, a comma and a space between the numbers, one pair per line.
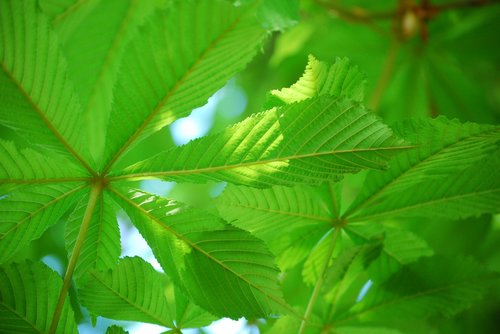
319, 283
95, 192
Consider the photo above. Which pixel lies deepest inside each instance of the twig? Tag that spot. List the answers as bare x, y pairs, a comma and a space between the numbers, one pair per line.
95, 192
319, 283
385, 76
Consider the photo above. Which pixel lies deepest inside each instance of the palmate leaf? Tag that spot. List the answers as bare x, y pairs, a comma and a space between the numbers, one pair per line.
178, 84
448, 151
137, 66
233, 38
430, 286
293, 220
101, 247
28, 297
312, 141
28, 210
47, 110
224, 269
134, 291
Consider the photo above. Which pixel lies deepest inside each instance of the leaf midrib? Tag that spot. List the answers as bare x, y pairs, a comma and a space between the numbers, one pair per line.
169, 94
200, 250
20, 316
101, 76
254, 163
47, 122
45, 181
40, 209
130, 302
423, 204
352, 211
280, 212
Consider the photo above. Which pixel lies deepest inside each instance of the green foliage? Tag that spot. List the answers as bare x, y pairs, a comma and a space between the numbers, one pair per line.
328, 219
115, 294
29, 294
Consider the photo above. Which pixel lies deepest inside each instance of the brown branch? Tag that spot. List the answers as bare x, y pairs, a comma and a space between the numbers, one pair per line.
424, 10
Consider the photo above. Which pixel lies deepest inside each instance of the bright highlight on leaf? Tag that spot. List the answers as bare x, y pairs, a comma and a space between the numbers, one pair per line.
321, 197
313, 141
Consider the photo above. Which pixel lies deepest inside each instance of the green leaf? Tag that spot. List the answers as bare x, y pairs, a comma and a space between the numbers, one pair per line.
187, 314
319, 254
470, 192
27, 211
101, 247
445, 151
278, 14
365, 330
348, 274
341, 79
28, 297
312, 141
430, 286
134, 291
30, 166
178, 84
289, 220
224, 269
47, 111
115, 330
400, 247
104, 28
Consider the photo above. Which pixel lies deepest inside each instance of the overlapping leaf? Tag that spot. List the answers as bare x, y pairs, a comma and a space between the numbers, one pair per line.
177, 84
101, 247
401, 247
320, 78
134, 291
450, 169
345, 273
137, 66
293, 220
28, 210
290, 220
312, 141
430, 286
47, 110
216, 264
27, 165
95, 35
28, 297
470, 192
